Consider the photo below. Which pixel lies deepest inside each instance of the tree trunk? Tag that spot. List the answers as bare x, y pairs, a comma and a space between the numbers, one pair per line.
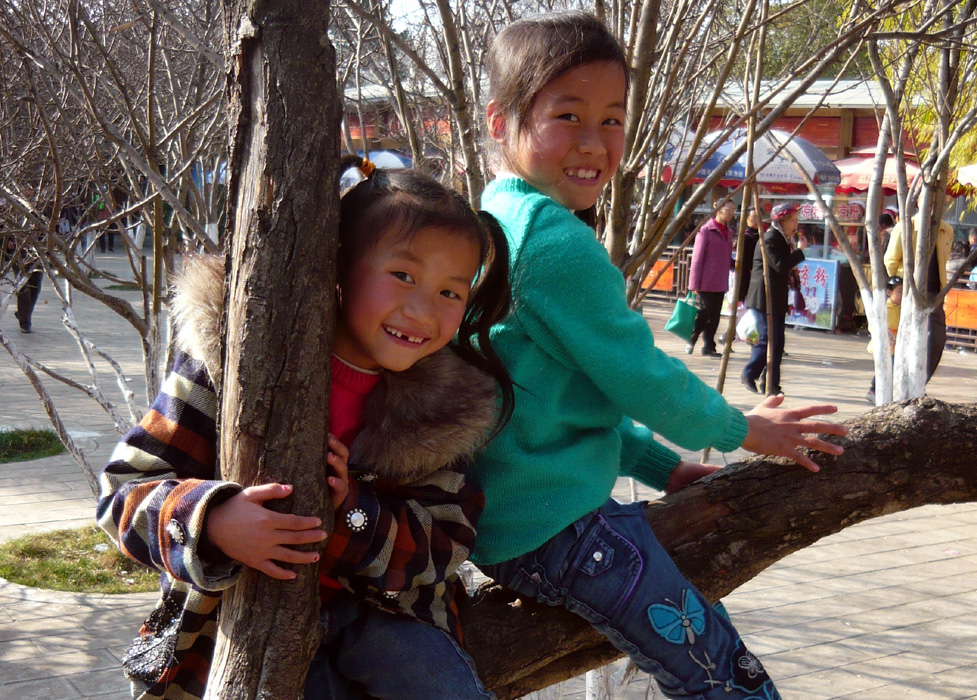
282, 214
724, 530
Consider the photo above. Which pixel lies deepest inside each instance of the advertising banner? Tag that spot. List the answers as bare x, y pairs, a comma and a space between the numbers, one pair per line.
819, 289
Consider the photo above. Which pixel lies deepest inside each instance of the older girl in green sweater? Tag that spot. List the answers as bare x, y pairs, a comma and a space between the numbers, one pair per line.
587, 368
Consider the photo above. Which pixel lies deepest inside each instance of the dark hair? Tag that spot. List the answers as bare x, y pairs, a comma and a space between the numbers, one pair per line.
532, 52
892, 283
407, 201
886, 220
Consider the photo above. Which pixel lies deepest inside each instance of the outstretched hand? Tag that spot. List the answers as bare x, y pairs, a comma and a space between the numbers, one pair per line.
780, 431
243, 529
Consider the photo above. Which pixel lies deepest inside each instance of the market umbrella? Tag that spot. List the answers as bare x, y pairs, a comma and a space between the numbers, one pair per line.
388, 159
381, 159
856, 173
967, 175
774, 172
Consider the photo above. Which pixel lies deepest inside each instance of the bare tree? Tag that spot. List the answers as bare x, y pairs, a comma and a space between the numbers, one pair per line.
682, 66
927, 72
112, 116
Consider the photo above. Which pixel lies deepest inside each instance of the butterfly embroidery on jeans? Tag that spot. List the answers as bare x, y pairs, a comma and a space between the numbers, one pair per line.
677, 624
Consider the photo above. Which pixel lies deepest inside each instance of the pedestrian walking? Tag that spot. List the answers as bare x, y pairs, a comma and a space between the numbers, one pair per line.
709, 277
780, 257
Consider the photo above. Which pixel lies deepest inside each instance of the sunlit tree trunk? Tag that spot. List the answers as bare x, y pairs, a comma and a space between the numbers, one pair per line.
283, 204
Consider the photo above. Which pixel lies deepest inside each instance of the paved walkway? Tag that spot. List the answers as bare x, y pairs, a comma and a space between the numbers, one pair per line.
882, 610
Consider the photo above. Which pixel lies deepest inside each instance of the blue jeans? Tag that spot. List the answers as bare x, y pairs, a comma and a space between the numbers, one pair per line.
366, 652
758, 357
609, 569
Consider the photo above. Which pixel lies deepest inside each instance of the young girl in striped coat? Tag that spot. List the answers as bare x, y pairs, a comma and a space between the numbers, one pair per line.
421, 280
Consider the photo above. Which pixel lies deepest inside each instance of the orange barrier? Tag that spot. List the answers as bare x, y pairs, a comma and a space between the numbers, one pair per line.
960, 306
666, 282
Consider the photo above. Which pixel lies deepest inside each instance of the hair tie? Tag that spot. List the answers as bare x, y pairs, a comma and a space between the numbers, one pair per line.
367, 168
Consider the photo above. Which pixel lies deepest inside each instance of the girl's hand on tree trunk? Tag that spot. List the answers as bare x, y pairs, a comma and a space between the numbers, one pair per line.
243, 529
779, 432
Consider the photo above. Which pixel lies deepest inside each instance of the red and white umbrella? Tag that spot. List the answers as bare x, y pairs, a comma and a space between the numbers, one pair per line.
967, 175
857, 171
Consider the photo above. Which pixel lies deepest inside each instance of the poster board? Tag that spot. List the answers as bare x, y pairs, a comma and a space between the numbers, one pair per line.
819, 287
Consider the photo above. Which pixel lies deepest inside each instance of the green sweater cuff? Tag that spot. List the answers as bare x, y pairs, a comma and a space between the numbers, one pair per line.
736, 434
654, 467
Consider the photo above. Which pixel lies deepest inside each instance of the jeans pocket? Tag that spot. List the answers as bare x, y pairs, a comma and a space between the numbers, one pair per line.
605, 570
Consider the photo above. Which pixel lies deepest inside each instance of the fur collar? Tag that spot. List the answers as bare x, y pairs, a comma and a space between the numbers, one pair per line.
415, 422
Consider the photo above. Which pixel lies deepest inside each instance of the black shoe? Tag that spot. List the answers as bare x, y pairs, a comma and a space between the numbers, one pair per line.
24, 327
749, 384
710, 353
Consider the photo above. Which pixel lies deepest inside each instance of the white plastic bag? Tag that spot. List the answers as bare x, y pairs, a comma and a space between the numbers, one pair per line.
746, 327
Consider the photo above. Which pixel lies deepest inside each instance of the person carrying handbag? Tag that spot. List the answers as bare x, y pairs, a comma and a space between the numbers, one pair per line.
709, 276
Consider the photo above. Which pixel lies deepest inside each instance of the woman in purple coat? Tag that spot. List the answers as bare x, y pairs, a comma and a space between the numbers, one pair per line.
710, 275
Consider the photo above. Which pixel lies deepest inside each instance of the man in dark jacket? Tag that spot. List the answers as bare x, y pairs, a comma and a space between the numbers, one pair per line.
751, 237
20, 262
780, 257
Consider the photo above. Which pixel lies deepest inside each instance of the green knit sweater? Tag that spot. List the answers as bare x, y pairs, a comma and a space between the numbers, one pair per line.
585, 365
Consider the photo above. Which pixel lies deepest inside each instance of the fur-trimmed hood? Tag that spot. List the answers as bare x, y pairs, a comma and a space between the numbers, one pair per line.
415, 421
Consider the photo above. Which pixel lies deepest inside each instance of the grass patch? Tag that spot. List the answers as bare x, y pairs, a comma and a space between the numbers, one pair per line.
124, 287
82, 560
22, 445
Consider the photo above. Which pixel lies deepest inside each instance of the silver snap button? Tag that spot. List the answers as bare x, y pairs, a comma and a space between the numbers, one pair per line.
176, 531
356, 519
598, 556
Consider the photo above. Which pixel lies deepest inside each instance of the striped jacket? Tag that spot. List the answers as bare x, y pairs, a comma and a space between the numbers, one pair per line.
414, 513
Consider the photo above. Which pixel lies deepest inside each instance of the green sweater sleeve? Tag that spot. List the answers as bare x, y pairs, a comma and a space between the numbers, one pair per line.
572, 303
643, 458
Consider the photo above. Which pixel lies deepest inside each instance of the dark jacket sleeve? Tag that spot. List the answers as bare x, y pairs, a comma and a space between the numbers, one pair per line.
780, 257
155, 491
413, 535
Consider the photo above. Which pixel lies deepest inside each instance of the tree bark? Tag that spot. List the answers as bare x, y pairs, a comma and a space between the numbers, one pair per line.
724, 530
283, 214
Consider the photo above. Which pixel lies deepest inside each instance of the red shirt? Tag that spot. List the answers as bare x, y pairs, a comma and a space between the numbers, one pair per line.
347, 395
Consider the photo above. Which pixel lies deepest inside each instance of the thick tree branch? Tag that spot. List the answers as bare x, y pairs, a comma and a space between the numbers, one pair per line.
724, 530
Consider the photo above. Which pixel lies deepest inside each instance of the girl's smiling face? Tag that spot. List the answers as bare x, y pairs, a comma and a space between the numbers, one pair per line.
572, 140
405, 298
